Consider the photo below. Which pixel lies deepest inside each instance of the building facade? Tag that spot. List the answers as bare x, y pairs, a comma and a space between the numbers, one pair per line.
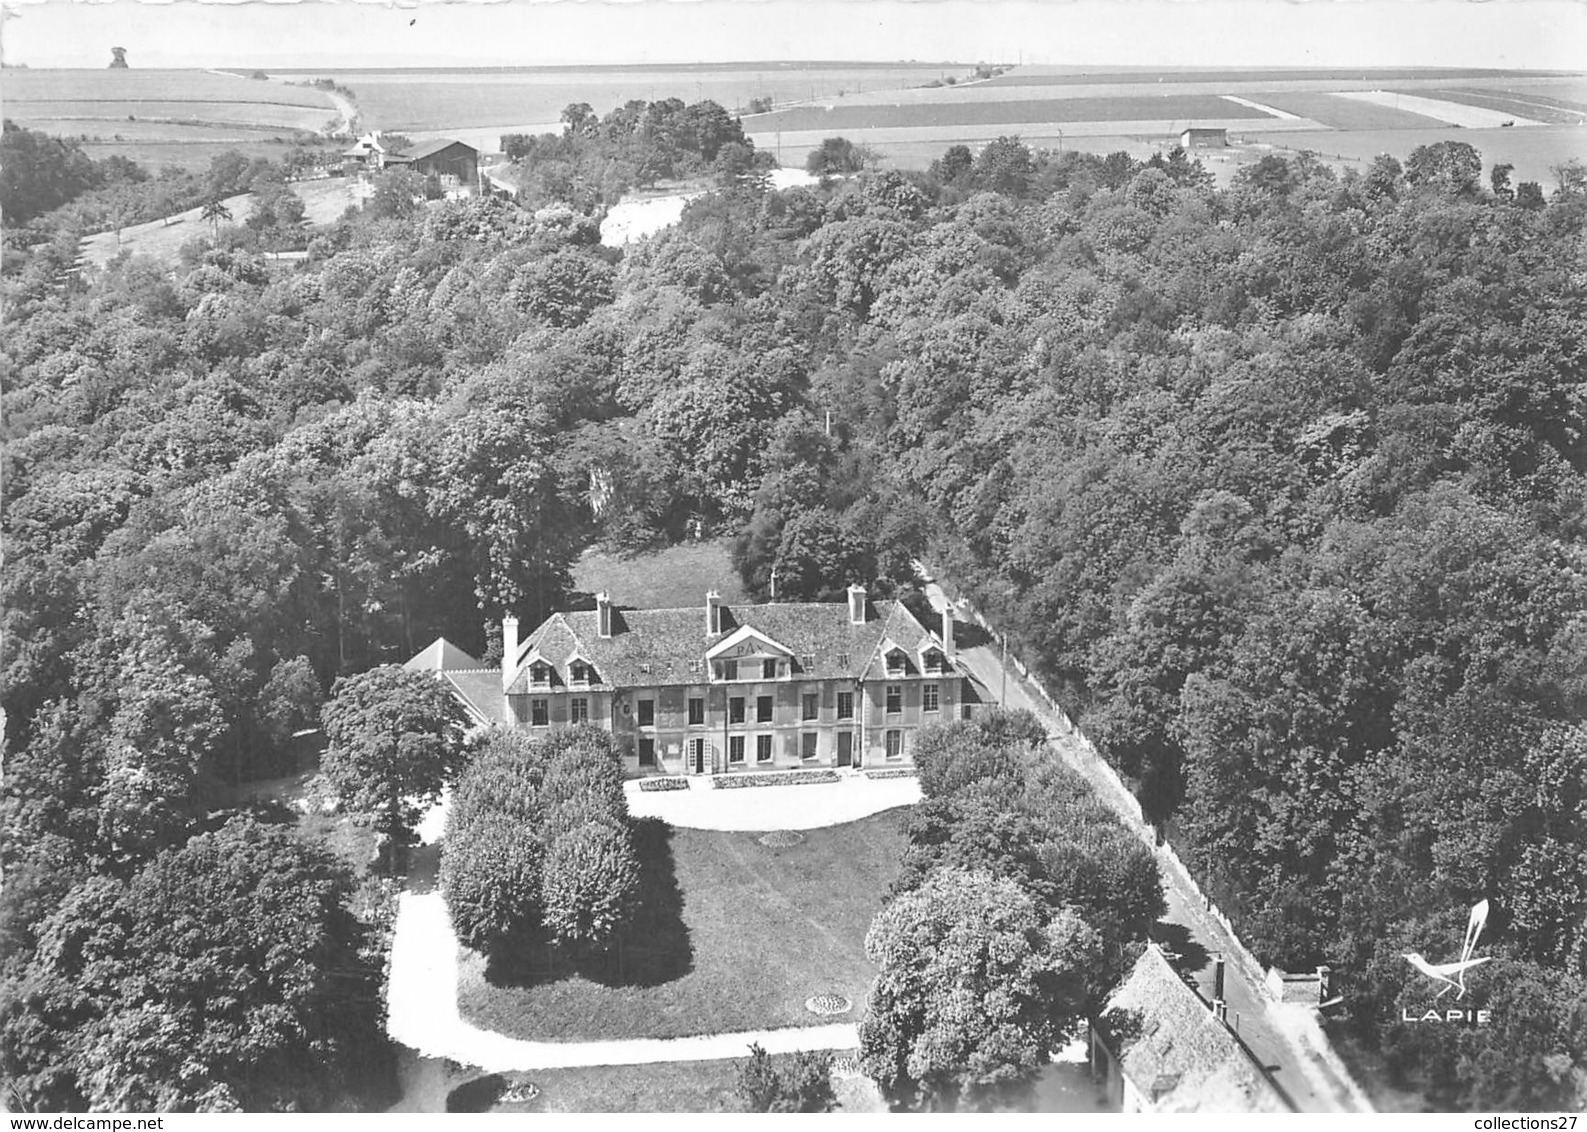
721, 689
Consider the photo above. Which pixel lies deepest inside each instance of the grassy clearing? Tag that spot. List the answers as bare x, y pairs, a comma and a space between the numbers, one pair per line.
757, 930
674, 1086
675, 578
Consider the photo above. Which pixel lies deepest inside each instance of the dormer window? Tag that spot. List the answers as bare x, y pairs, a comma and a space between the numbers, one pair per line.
895, 661
768, 670
581, 673
729, 670
934, 660
540, 674
807, 662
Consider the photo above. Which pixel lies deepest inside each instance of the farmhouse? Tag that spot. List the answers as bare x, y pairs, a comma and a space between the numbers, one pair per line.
455, 163
718, 689
1204, 137
1160, 1047
368, 151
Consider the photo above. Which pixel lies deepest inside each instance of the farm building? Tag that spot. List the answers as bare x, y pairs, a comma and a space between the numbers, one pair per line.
1204, 137
718, 689
368, 151
1160, 1047
454, 162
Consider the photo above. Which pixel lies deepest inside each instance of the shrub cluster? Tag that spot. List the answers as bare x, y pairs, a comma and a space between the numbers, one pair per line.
538, 843
776, 778
892, 772
998, 800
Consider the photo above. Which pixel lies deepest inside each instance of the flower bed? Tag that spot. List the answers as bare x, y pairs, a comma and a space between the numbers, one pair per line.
651, 785
781, 839
790, 778
891, 772
828, 1004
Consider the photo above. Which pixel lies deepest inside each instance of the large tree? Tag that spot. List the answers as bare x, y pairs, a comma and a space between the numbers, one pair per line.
974, 990
394, 740
227, 974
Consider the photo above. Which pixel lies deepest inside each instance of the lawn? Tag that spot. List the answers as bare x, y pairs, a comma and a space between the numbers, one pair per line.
736, 935
675, 578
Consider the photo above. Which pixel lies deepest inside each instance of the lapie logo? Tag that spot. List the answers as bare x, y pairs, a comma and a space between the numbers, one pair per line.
1453, 975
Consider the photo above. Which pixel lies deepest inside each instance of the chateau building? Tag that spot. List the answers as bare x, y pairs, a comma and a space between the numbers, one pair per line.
720, 688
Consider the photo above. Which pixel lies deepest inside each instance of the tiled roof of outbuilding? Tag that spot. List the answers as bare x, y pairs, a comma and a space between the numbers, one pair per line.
1176, 1052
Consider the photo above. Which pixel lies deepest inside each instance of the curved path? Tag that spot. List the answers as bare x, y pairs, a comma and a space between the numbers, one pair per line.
421, 989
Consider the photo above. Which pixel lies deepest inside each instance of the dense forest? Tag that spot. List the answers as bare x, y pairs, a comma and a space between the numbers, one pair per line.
1282, 485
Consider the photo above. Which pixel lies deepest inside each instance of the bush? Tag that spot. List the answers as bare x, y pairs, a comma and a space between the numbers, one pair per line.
492, 877
805, 1087
591, 886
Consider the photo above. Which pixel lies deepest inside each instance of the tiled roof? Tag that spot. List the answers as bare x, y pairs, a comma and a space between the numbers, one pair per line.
480, 690
668, 646
427, 149
440, 656
1176, 1052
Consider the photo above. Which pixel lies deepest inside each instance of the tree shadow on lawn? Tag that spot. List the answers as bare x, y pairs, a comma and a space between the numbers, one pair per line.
654, 949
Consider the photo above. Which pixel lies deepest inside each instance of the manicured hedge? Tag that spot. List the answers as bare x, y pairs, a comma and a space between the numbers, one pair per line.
892, 772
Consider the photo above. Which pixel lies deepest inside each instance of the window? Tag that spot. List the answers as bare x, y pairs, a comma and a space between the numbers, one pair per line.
768, 670
696, 711
763, 748
809, 706
579, 672
807, 745
843, 660
647, 713
807, 662
928, 697
579, 709
539, 713
895, 661
895, 699
845, 705
539, 674
735, 710
895, 744
934, 661
730, 670
763, 709
735, 748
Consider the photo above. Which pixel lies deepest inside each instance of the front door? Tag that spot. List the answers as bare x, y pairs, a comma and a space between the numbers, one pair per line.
845, 748
697, 755
647, 751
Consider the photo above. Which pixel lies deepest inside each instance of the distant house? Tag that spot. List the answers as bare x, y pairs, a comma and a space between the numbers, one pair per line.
1159, 1046
719, 689
455, 163
1204, 137
368, 151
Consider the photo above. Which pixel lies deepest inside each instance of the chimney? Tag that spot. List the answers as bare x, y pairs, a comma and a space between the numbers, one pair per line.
713, 613
1220, 1010
1217, 976
603, 615
856, 605
509, 647
947, 631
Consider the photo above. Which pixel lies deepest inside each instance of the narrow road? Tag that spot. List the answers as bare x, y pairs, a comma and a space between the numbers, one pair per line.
1285, 1039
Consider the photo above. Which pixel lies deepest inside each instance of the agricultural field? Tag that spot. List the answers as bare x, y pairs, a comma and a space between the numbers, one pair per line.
1065, 111
166, 117
420, 102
